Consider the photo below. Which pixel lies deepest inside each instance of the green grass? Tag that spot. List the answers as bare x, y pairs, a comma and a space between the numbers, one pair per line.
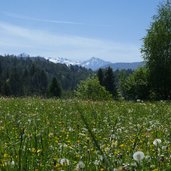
38, 134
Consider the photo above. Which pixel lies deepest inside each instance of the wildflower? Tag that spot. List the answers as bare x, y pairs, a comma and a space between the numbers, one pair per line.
162, 158
12, 163
155, 170
6, 155
122, 145
80, 165
156, 142
164, 147
50, 135
96, 162
33, 150
64, 161
138, 156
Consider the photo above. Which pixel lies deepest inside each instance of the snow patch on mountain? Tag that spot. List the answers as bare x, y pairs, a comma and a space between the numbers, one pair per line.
94, 63
63, 61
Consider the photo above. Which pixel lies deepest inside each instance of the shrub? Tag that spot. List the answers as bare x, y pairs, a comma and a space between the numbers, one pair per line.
91, 89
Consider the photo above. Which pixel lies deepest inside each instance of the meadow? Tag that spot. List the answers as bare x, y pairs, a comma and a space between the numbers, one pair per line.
49, 135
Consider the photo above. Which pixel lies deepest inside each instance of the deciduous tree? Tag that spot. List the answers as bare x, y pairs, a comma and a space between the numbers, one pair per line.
157, 52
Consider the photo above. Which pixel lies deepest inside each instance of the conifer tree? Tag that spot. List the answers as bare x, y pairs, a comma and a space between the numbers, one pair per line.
109, 82
100, 76
55, 89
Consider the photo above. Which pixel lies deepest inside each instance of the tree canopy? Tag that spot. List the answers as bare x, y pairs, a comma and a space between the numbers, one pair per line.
32, 76
157, 52
91, 89
54, 89
107, 79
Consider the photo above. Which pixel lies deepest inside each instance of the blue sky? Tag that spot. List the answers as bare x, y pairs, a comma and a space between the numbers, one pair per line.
76, 29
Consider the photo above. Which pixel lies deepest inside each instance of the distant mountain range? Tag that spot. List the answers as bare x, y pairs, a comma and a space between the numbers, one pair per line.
131, 65
96, 63
93, 63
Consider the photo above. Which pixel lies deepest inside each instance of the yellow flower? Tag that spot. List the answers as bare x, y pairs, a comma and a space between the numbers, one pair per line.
33, 150
39, 150
122, 146
6, 155
155, 170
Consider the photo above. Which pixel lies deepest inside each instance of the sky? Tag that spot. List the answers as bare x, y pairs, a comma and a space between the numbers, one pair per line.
112, 30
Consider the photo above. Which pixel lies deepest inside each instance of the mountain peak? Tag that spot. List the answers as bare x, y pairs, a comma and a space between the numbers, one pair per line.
94, 63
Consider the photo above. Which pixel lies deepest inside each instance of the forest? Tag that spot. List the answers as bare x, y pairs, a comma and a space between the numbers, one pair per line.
33, 76
36, 76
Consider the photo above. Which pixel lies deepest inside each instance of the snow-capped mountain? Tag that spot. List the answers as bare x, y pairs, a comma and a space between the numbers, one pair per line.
63, 61
94, 63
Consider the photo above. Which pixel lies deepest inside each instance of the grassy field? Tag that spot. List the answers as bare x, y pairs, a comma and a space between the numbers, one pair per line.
38, 134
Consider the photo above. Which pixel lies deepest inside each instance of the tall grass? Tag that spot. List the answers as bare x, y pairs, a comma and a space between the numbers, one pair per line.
38, 134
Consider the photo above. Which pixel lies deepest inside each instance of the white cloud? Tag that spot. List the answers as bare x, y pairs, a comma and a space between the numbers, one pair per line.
16, 39
13, 15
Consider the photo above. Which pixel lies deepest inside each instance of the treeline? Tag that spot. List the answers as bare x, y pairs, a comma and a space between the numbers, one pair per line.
153, 81
105, 84
36, 76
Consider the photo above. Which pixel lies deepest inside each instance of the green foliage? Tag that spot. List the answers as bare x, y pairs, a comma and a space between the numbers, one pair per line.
107, 79
38, 134
31, 76
136, 85
92, 90
54, 89
100, 76
157, 52
109, 82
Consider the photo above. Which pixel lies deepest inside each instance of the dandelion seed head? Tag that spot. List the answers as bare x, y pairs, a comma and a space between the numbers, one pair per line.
157, 142
138, 156
80, 165
64, 161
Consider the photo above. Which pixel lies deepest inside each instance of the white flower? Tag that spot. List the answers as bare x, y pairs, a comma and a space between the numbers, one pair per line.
138, 156
156, 142
64, 161
164, 147
12, 164
80, 165
96, 162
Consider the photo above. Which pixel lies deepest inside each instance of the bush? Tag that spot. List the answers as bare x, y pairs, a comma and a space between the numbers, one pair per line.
91, 89
136, 85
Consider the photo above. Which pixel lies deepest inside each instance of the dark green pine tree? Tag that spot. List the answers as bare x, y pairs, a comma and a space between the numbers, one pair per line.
100, 76
109, 82
54, 89
15, 84
43, 82
5, 89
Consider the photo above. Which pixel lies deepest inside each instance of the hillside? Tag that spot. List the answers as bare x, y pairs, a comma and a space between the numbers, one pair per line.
120, 66
32, 75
